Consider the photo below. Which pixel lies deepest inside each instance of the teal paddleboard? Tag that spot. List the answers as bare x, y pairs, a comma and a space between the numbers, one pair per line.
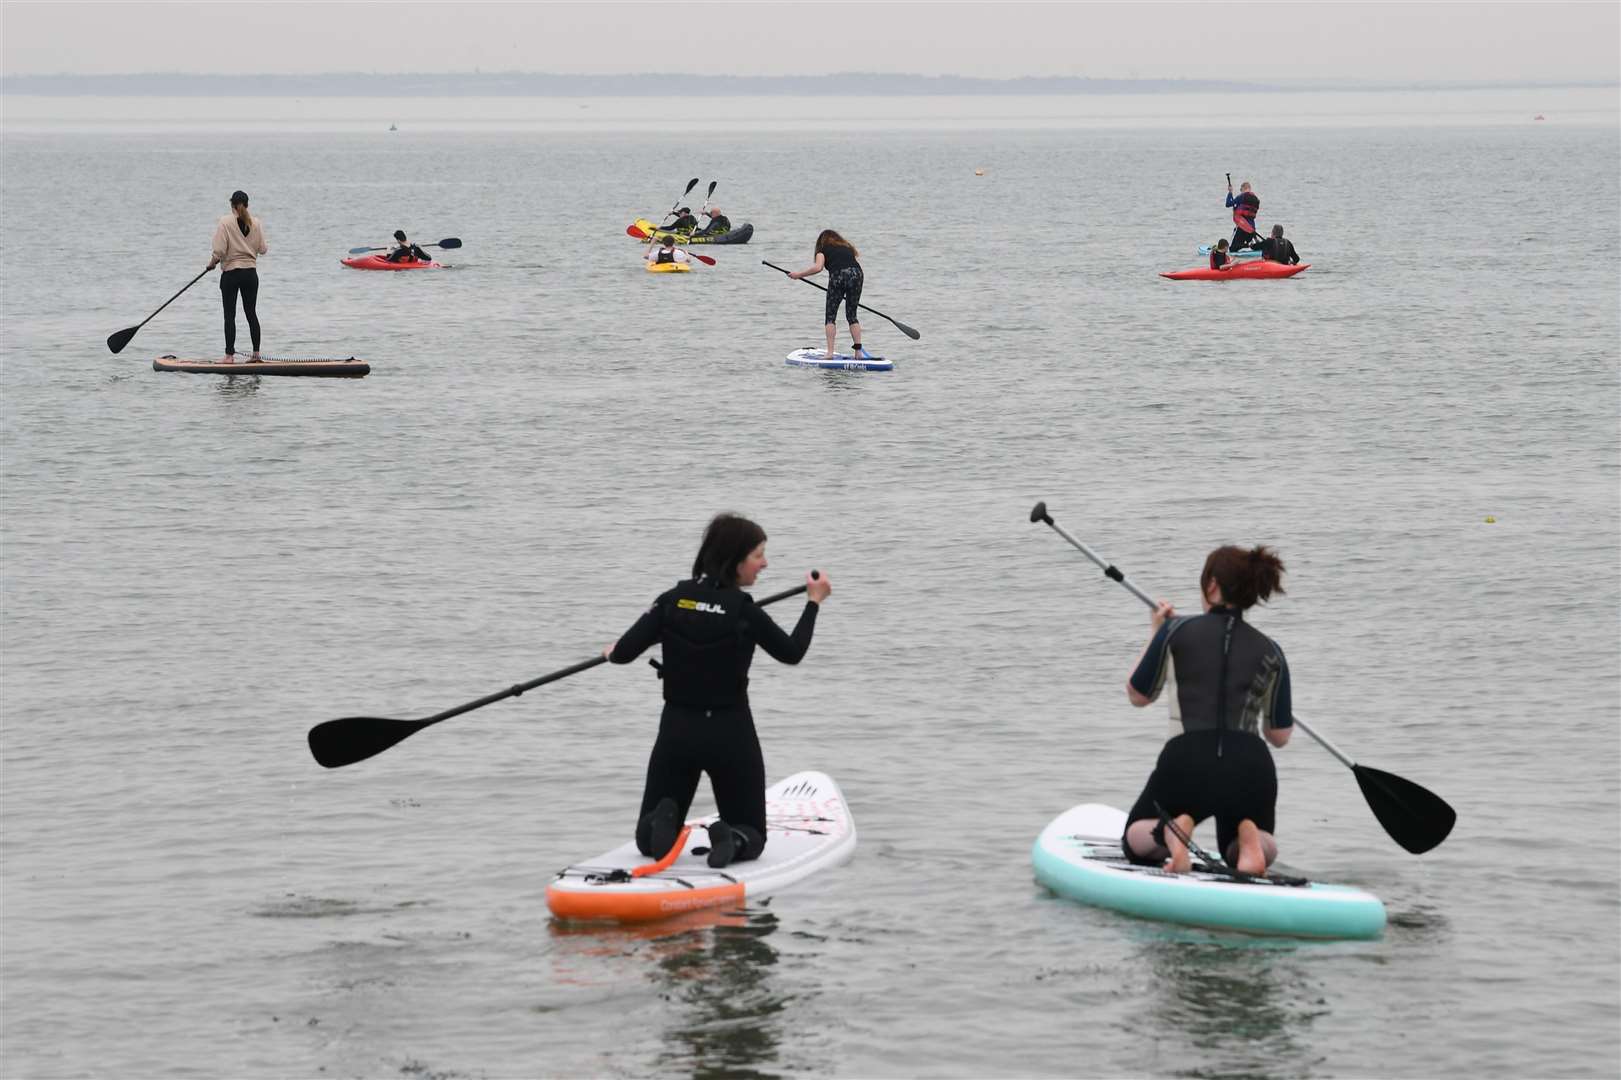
1078, 856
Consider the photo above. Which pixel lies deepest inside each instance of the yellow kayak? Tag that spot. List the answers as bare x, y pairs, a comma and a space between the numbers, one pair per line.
668, 268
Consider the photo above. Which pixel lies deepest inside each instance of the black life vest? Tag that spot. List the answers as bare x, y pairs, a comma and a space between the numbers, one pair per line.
708, 644
665, 256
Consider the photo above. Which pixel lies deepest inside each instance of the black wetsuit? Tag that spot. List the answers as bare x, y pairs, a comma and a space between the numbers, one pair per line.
718, 225
708, 633
685, 223
1279, 250
1230, 679
844, 281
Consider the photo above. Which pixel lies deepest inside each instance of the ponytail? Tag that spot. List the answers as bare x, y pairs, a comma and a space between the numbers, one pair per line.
1245, 575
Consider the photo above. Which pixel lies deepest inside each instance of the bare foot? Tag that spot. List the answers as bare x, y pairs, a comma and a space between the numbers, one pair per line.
254, 359
1251, 855
1180, 861
229, 358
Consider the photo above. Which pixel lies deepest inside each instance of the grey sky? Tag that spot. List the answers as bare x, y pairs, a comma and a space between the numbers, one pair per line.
1301, 39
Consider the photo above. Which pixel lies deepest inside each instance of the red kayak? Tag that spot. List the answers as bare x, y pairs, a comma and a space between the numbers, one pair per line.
1260, 268
377, 262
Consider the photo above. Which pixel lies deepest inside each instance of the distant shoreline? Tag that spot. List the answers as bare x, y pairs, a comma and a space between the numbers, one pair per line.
517, 84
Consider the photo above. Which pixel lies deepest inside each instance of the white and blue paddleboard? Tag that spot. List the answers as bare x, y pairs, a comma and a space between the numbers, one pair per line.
1236, 256
1078, 856
818, 358
808, 828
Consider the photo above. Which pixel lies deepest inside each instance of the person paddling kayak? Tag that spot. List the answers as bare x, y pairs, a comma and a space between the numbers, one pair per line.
708, 627
239, 240
1276, 249
718, 223
1246, 204
684, 221
1232, 691
840, 259
407, 251
1219, 259
666, 252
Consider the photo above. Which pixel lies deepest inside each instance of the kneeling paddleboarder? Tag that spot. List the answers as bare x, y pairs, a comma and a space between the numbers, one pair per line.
1232, 691
708, 627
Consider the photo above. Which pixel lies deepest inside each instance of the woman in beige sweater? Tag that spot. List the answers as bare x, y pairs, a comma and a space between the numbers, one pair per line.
238, 242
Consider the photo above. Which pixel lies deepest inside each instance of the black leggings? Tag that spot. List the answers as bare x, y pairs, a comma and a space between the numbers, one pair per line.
1242, 240
1193, 776
720, 742
245, 281
843, 285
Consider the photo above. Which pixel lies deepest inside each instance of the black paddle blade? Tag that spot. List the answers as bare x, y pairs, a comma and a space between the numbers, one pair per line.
1415, 817
336, 743
116, 342
1039, 512
907, 330
450, 242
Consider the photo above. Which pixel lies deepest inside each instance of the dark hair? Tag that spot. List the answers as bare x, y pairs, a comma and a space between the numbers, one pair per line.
1221, 245
399, 234
239, 198
829, 238
1244, 574
686, 209
1277, 231
727, 542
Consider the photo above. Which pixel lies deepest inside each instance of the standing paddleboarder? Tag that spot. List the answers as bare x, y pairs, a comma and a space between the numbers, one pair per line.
1246, 204
1232, 690
708, 627
239, 240
840, 259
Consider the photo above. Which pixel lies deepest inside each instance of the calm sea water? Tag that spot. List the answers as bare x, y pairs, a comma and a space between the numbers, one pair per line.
197, 569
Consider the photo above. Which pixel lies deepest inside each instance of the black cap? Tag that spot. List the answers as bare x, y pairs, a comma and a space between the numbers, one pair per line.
239, 198
399, 234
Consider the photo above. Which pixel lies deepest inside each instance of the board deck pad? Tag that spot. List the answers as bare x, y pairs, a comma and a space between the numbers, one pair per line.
818, 358
808, 828
1079, 856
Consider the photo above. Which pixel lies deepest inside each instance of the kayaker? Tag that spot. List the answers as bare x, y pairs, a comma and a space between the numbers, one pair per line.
840, 259
1232, 691
708, 627
407, 251
684, 222
666, 252
1276, 249
718, 223
1219, 259
1245, 206
239, 240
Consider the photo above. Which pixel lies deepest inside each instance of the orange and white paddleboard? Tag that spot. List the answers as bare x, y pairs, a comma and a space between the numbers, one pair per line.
808, 828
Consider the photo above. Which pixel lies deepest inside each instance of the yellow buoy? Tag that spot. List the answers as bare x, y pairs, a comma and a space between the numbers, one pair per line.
1490, 520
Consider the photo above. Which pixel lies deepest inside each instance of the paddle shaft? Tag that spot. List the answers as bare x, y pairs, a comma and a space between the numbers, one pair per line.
902, 327
573, 669
127, 334
447, 242
1113, 573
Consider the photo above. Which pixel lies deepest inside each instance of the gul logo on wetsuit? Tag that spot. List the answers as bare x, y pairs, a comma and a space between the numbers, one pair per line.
700, 605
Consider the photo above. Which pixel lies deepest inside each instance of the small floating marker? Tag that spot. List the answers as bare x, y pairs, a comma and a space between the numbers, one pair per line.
1490, 520
979, 172
1539, 116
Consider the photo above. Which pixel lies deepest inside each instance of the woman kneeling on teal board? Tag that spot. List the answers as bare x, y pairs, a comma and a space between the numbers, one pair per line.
1232, 690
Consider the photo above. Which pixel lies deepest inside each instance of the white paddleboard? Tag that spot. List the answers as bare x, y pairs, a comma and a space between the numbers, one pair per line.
1236, 256
818, 358
808, 828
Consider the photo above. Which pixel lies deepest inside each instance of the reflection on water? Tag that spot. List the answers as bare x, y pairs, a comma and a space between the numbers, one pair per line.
1244, 1005
728, 1004
238, 386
